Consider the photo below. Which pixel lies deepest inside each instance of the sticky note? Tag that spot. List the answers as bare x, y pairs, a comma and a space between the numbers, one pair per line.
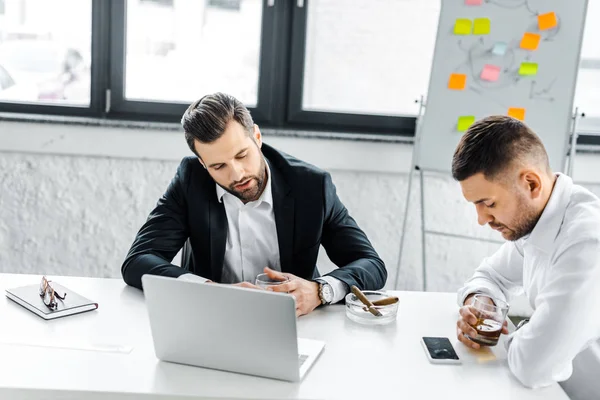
499, 49
462, 26
481, 26
530, 41
528, 69
518, 113
473, 2
457, 81
464, 122
547, 21
490, 73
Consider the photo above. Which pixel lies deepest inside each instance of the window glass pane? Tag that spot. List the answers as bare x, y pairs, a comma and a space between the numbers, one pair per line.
180, 50
45, 48
368, 56
587, 95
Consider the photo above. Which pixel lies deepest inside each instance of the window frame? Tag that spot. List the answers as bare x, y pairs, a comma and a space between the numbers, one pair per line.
120, 107
280, 87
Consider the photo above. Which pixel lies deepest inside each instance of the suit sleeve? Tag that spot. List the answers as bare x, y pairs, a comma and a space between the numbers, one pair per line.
161, 237
348, 246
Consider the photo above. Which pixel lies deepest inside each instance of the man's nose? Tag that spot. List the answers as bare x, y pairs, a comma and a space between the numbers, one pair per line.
237, 172
483, 217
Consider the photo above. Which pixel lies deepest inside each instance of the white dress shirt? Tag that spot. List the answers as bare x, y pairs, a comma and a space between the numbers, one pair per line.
252, 241
558, 268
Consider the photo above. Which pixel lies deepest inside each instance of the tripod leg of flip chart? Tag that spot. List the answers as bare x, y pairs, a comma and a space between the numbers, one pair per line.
573, 148
423, 238
409, 189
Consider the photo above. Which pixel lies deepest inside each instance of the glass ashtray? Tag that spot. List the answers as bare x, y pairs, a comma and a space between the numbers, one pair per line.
358, 312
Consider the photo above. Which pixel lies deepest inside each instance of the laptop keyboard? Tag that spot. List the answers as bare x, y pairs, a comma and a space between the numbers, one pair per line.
301, 359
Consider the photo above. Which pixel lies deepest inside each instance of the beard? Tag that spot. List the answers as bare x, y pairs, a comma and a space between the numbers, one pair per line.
253, 192
523, 224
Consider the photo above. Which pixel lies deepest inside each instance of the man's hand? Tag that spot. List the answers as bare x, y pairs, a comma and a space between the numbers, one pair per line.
305, 292
466, 322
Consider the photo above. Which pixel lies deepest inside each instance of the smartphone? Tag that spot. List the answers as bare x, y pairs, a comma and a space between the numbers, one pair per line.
439, 350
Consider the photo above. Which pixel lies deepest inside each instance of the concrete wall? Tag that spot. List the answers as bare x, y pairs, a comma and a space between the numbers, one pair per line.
73, 197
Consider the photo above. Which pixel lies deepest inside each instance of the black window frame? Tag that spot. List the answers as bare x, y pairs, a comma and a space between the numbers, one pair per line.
280, 87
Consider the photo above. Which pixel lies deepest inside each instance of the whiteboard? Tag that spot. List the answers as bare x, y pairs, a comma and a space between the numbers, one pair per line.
546, 96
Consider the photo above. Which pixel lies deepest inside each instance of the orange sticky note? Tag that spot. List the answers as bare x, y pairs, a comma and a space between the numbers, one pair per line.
547, 21
518, 113
457, 82
530, 41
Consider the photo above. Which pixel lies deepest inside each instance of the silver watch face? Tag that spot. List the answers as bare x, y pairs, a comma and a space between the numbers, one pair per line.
327, 292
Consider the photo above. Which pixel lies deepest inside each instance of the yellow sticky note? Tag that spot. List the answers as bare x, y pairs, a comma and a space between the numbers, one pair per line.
462, 26
547, 21
528, 69
530, 41
481, 26
457, 82
464, 122
518, 113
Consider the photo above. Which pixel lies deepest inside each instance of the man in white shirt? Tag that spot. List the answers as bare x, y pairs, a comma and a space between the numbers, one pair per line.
553, 251
243, 208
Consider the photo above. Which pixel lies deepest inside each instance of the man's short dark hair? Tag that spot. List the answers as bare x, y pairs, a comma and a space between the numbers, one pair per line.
493, 144
205, 119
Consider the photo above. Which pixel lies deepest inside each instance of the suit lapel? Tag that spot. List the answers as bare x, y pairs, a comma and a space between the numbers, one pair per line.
283, 208
218, 236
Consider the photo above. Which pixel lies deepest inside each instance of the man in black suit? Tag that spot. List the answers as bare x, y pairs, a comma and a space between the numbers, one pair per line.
244, 208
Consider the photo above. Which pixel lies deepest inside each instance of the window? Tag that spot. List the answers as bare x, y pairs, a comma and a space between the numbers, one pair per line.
325, 65
587, 96
177, 53
372, 58
46, 49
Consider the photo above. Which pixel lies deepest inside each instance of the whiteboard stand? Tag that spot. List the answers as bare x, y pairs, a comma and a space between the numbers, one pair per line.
574, 137
424, 231
413, 167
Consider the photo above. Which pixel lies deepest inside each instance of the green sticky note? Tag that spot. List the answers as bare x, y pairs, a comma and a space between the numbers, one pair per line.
481, 26
462, 26
464, 122
528, 69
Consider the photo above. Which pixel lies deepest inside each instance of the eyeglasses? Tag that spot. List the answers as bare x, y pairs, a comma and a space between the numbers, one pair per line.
49, 295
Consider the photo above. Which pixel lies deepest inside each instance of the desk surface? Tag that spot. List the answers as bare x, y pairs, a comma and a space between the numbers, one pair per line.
108, 353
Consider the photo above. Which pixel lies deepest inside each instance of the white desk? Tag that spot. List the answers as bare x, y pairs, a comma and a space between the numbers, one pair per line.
358, 361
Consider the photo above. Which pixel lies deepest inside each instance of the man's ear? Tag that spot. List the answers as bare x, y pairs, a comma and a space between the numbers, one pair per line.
201, 162
533, 182
257, 136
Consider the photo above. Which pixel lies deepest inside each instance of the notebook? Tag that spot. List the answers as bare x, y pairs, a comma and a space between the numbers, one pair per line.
29, 297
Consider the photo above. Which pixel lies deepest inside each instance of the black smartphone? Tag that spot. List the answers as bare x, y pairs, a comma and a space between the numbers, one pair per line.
439, 350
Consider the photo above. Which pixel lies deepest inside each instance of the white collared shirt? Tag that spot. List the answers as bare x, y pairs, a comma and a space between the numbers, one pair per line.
558, 268
252, 242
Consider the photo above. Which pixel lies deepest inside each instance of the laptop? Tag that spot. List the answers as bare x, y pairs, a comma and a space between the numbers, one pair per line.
227, 328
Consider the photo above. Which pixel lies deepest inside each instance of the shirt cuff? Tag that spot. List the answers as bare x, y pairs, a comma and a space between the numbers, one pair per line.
192, 278
339, 288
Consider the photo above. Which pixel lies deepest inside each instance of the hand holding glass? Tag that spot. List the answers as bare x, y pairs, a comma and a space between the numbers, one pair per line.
490, 319
263, 281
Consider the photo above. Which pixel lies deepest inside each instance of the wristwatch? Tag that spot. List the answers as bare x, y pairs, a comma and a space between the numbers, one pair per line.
325, 292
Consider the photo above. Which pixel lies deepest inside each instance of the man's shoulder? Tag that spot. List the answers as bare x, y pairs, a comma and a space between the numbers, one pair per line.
190, 170
582, 217
292, 167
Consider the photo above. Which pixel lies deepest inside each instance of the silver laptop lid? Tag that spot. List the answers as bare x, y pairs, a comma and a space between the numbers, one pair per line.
223, 327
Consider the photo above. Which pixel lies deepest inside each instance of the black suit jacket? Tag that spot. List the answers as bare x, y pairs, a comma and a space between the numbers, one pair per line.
307, 211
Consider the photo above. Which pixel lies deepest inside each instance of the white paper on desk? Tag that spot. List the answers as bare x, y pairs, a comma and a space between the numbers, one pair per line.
69, 345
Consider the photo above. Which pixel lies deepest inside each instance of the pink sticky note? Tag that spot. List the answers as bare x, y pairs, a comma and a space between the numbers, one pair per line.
490, 73
473, 2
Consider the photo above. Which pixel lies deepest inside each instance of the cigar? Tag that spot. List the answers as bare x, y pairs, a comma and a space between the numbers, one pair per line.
365, 301
386, 302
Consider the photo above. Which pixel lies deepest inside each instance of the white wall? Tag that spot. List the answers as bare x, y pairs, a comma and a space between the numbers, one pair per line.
73, 197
